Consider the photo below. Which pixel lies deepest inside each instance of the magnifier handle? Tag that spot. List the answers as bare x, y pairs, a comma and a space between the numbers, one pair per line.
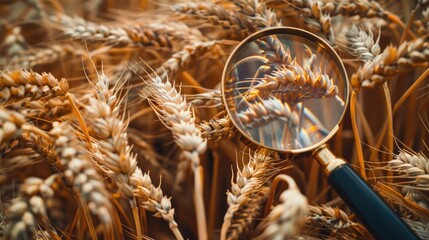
369, 207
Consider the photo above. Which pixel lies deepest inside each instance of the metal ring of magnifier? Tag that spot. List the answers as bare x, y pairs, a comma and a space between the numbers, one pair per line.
313, 39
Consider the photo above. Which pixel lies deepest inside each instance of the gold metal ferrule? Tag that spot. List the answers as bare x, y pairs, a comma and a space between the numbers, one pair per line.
327, 160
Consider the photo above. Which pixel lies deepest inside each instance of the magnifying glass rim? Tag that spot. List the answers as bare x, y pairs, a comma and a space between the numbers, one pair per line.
313, 38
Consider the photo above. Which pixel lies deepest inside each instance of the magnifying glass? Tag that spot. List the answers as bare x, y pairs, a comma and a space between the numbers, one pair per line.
286, 89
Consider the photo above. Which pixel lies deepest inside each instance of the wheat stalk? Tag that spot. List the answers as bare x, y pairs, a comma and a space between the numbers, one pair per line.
176, 114
286, 218
249, 181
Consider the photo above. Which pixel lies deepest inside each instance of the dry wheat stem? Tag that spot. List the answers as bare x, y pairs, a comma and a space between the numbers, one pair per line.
87, 183
20, 84
218, 129
31, 207
248, 182
285, 219
176, 114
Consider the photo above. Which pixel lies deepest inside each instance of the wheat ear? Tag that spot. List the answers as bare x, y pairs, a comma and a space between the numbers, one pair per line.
112, 151
361, 43
392, 61
335, 220
218, 129
38, 56
249, 181
20, 84
422, 24
412, 168
286, 219
176, 114
234, 24
91, 193
31, 208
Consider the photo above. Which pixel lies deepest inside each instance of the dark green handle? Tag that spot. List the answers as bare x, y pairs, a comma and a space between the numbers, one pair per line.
368, 206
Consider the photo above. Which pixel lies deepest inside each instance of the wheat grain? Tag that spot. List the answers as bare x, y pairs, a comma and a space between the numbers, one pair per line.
249, 181
218, 129
10, 126
286, 218
19, 84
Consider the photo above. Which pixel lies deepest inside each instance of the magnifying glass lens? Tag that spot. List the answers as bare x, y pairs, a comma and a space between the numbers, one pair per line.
285, 90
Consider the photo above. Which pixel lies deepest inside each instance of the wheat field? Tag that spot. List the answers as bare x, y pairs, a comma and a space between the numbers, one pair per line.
112, 123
